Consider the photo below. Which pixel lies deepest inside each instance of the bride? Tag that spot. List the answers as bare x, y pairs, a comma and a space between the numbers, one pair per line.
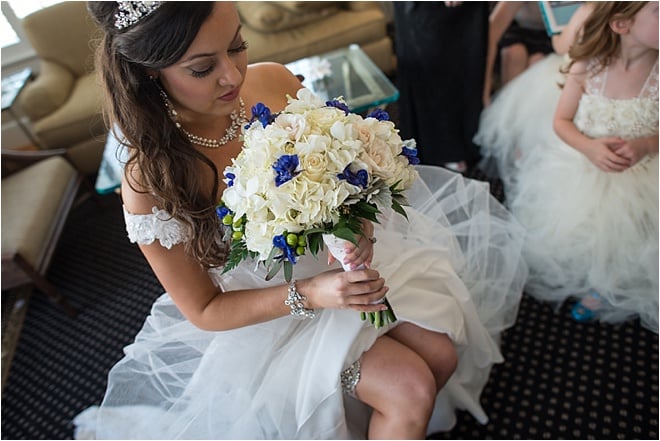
222, 355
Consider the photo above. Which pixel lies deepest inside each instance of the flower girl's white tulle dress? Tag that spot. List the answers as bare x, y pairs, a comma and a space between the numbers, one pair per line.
589, 229
519, 117
455, 267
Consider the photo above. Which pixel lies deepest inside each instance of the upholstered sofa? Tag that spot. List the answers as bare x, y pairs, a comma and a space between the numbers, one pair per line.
286, 31
64, 101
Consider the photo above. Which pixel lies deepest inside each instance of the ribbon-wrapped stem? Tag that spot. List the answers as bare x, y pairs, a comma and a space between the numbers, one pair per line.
379, 318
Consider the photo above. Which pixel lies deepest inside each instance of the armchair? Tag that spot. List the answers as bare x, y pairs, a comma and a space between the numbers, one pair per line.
36, 201
64, 102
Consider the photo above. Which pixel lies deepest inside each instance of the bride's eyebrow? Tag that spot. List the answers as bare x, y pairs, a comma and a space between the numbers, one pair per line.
210, 54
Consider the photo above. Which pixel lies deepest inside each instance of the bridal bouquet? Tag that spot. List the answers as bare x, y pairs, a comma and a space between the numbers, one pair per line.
313, 170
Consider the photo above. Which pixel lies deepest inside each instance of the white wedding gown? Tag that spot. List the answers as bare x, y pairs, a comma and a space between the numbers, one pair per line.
589, 229
455, 267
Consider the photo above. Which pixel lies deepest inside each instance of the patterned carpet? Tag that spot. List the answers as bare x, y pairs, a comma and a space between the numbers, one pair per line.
560, 380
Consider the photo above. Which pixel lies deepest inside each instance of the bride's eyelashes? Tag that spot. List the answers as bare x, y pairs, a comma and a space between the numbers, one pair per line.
240, 48
201, 73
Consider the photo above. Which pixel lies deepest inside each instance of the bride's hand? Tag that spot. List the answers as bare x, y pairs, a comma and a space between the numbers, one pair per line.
359, 290
361, 254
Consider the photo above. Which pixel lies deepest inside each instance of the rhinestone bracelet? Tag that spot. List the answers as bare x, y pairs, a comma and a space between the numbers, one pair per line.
295, 301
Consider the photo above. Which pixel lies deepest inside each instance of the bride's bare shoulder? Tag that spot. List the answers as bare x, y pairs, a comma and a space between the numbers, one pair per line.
269, 81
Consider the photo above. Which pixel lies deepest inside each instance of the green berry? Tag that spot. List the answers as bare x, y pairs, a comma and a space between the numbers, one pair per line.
237, 223
300, 251
302, 241
237, 235
228, 219
292, 239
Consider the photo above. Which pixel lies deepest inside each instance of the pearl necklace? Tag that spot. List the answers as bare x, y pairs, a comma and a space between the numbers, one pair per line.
237, 120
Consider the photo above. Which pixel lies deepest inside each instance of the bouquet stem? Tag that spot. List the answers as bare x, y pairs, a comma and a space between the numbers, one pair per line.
379, 318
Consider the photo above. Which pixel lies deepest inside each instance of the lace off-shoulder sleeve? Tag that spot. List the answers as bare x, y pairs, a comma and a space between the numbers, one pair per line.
145, 228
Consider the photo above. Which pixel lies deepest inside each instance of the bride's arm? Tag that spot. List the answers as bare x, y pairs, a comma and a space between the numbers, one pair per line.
207, 307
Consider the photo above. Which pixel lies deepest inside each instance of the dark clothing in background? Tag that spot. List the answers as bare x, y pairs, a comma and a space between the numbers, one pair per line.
441, 59
534, 40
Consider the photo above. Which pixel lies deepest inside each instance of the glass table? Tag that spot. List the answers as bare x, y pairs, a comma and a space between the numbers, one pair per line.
108, 179
12, 86
346, 72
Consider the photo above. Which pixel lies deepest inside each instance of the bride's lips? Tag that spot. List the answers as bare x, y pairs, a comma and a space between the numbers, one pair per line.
230, 96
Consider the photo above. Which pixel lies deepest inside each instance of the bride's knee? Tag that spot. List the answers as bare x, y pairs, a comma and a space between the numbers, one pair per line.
415, 392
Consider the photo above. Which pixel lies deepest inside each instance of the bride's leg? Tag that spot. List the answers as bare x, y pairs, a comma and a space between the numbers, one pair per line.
436, 349
400, 387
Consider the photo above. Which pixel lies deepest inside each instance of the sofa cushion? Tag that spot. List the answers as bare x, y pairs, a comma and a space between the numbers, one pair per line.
77, 119
64, 33
47, 92
280, 16
337, 30
30, 202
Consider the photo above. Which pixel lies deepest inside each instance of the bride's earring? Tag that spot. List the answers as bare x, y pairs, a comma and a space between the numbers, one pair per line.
169, 108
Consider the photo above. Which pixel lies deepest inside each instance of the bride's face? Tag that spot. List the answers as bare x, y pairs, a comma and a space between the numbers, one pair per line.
207, 80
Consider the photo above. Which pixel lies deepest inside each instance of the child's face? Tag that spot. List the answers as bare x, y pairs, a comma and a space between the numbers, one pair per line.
644, 28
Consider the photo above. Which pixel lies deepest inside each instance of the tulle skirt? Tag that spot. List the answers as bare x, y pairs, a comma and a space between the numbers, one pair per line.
519, 118
591, 230
454, 267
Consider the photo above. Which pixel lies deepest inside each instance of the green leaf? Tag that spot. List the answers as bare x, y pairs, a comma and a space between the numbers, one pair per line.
271, 256
314, 242
273, 270
346, 234
399, 208
288, 271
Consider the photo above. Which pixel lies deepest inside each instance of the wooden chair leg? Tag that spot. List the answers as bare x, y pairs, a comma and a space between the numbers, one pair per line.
45, 286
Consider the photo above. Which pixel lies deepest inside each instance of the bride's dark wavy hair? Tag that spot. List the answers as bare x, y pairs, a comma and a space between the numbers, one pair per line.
168, 164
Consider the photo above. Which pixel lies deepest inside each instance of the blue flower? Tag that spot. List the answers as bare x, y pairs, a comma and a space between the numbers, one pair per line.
411, 154
222, 211
287, 251
361, 178
380, 115
230, 179
339, 105
285, 167
261, 113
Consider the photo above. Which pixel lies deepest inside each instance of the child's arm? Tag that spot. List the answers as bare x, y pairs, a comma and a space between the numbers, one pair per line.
600, 150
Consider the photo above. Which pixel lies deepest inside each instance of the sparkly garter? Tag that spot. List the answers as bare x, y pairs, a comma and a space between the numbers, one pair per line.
350, 378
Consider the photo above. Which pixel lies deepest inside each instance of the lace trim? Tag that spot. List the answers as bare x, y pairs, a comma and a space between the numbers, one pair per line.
144, 229
650, 89
595, 83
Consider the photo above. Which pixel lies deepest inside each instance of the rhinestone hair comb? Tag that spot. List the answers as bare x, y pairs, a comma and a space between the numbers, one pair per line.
132, 12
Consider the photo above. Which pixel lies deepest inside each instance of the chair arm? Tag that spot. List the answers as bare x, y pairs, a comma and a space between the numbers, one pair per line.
15, 160
49, 90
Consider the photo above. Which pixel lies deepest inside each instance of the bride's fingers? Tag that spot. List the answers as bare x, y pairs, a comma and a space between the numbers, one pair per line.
369, 302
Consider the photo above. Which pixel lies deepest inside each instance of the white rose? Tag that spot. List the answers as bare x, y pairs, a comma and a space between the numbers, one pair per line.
322, 119
378, 157
314, 165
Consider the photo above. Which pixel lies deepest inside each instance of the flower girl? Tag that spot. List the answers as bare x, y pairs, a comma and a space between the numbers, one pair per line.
590, 203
